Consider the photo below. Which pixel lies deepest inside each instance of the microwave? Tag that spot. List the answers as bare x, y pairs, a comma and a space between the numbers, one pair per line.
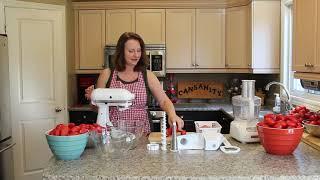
155, 52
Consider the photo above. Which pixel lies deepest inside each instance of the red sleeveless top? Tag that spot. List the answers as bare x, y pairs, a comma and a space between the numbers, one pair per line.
138, 111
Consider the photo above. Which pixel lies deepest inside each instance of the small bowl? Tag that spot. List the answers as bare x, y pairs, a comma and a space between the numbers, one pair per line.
67, 147
314, 130
279, 141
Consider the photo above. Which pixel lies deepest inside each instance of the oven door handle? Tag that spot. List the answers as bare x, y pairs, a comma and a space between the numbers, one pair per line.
8, 147
156, 121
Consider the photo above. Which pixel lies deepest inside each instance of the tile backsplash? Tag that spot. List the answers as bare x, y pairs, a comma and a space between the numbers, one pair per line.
228, 80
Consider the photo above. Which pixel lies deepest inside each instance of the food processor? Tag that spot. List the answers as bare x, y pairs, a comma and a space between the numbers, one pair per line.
246, 108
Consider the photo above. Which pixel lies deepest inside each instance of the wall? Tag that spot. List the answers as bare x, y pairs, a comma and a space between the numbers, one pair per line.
58, 2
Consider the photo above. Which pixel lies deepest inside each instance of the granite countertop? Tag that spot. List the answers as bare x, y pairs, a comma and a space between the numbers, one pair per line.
178, 107
252, 162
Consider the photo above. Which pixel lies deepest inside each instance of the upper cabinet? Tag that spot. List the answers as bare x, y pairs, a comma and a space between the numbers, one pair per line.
253, 37
90, 39
306, 36
96, 28
238, 37
195, 40
210, 38
2, 18
266, 36
180, 38
150, 24
117, 22
200, 36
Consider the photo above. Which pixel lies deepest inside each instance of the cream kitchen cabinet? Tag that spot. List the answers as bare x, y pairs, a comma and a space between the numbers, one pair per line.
119, 21
306, 36
238, 37
96, 28
180, 38
253, 37
265, 23
194, 39
210, 38
150, 25
90, 39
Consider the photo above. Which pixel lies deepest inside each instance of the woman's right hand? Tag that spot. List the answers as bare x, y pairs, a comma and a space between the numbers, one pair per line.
88, 92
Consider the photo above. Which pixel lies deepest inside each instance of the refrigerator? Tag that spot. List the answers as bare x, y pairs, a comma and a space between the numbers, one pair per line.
6, 142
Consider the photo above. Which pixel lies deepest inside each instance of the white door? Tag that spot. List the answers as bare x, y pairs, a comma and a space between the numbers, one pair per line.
37, 84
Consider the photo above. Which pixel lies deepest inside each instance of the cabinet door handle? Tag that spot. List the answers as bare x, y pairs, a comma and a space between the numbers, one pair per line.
249, 65
305, 65
197, 65
310, 65
193, 65
102, 65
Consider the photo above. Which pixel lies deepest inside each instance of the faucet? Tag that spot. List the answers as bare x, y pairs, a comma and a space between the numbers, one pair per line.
288, 105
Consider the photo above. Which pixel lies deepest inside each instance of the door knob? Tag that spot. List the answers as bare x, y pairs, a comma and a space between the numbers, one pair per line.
58, 109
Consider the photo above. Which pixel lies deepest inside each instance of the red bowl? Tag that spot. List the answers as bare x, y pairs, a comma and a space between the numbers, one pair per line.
279, 141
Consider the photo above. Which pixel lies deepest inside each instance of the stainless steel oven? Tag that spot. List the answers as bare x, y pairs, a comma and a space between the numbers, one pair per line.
155, 52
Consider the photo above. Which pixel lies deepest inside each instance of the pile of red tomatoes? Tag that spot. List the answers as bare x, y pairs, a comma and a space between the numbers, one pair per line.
71, 129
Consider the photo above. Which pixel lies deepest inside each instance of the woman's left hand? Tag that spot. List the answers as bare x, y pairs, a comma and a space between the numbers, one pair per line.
178, 120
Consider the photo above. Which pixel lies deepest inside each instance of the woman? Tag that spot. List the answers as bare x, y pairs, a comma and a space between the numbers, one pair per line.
130, 73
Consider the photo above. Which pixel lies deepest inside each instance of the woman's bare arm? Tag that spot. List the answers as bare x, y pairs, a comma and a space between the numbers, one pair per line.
163, 100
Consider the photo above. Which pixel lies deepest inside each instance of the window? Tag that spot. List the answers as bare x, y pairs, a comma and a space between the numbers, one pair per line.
298, 93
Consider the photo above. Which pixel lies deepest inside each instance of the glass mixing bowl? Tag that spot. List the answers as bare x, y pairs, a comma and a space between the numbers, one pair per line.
117, 140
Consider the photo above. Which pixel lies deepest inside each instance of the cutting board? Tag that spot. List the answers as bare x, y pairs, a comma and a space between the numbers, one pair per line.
311, 140
155, 137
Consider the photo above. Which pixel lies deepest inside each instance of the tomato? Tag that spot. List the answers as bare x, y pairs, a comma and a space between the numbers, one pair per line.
99, 129
57, 132
283, 124
71, 125
183, 132
73, 133
169, 131
280, 117
75, 129
272, 116
296, 115
313, 122
83, 130
278, 125
64, 130
59, 126
291, 124
95, 124
260, 123
52, 132
269, 121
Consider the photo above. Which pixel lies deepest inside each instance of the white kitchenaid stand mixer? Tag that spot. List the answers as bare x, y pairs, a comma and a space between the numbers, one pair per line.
105, 97
246, 108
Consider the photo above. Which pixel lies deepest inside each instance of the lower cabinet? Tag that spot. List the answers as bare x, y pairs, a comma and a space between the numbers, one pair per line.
79, 117
189, 117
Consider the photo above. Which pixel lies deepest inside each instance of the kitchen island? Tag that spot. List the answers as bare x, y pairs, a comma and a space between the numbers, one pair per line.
252, 162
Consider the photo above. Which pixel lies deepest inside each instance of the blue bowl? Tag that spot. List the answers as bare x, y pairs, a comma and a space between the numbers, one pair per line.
67, 147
